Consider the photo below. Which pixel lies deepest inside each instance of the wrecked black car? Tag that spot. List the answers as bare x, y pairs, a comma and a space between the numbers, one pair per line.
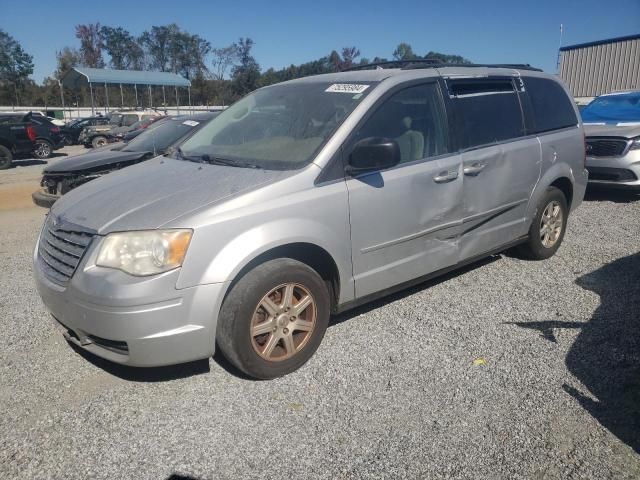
65, 175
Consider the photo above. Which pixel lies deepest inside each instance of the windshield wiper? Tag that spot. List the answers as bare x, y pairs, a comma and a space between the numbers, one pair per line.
205, 158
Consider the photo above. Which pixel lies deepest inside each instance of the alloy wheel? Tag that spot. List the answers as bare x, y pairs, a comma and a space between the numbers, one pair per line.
42, 150
283, 322
551, 224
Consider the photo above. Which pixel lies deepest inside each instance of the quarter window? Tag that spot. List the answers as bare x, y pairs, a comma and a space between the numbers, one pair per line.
552, 108
488, 111
413, 117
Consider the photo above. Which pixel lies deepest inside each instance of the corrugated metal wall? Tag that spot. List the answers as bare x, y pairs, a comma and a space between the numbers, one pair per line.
593, 70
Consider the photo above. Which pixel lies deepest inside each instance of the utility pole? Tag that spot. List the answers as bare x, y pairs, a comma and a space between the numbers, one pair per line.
559, 47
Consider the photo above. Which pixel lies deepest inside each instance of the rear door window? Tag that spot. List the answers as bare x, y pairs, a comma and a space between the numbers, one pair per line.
551, 107
488, 111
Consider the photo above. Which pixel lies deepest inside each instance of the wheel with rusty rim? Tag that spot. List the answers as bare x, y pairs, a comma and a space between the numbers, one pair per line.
273, 319
547, 229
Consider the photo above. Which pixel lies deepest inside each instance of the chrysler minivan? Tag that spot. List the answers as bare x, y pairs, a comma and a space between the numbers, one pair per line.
305, 199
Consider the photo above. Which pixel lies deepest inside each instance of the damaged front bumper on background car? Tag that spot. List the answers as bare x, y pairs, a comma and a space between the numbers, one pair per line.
53, 186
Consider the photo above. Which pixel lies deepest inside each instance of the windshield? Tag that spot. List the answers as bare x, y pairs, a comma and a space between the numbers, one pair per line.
619, 108
161, 135
278, 127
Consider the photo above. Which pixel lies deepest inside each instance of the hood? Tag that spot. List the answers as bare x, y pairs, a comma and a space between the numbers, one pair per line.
96, 159
628, 131
150, 194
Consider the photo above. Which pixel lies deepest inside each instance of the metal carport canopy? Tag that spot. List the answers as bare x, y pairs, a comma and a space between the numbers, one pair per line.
82, 76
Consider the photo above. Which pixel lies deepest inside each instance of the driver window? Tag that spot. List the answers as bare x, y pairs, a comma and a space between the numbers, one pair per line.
415, 119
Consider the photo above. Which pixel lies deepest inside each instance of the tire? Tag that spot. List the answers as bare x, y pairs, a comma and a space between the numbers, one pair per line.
541, 246
42, 150
98, 141
6, 157
277, 347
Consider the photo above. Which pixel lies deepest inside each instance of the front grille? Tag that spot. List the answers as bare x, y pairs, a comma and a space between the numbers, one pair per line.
61, 248
611, 174
610, 147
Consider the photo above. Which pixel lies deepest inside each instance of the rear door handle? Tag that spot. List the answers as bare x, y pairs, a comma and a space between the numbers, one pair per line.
474, 169
446, 176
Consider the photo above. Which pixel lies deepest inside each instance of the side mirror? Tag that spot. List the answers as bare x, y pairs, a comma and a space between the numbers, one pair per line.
373, 153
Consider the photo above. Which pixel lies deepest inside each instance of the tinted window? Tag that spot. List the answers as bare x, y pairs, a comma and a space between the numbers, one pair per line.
414, 118
160, 138
129, 120
487, 110
552, 108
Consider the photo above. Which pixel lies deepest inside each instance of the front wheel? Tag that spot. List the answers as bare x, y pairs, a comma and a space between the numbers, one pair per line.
42, 150
548, 227
274, 318
99, 141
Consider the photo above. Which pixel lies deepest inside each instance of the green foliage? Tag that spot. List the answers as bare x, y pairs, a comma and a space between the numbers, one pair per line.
123, 48
404, 52
90, 45
15, 64
445, 58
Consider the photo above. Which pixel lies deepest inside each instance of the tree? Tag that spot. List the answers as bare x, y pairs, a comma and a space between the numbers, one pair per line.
90, 45
349, 55
245, 75
123, 48
445, 58
171, 49
223, 58
67, 58
157, 42
15, 64
404, 52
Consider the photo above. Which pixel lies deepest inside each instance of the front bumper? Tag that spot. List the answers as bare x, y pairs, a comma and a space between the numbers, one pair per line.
619, 172
44, 199
137, 321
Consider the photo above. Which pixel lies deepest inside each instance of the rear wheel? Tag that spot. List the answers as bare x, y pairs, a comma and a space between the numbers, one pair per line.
5, 157
274, 318
547, 229
42, 150
99, 141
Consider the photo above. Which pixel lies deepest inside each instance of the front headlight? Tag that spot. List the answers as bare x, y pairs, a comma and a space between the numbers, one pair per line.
635, 144
146, 252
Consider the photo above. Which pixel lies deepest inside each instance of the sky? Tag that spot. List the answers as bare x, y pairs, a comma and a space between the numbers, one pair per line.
286, 32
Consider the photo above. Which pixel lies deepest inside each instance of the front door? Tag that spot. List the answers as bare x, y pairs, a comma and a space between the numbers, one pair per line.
405, 220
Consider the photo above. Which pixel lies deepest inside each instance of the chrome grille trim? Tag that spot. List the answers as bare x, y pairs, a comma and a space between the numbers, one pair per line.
607, 146
61, 248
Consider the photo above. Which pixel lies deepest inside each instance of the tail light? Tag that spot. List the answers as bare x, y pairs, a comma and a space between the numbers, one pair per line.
55, 129
31, 133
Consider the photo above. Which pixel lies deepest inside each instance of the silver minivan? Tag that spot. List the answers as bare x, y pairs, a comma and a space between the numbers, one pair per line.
305, 199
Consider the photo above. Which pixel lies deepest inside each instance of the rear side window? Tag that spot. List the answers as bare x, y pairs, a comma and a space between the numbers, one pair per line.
129, 120
488, 110
551, 107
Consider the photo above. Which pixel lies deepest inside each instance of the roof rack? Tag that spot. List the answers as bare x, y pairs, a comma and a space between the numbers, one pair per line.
433, 63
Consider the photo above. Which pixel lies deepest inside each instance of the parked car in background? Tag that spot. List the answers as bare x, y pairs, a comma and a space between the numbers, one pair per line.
69, 173
308, 198
71, 131
48, 136
119, 122
17, 137
139, 127
134, 132
612, 126
38, 113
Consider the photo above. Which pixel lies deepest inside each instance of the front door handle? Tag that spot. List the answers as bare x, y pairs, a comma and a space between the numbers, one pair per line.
474, 169
446, 176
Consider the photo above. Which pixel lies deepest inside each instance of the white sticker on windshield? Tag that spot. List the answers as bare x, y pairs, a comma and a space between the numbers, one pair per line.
191, 123
347, 88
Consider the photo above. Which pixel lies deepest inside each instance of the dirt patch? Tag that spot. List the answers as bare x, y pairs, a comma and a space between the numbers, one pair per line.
17, 195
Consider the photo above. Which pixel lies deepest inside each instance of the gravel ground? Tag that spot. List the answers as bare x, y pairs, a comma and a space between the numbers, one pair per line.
507, 369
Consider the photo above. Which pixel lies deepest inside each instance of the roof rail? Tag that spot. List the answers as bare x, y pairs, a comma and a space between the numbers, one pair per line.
433, 63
